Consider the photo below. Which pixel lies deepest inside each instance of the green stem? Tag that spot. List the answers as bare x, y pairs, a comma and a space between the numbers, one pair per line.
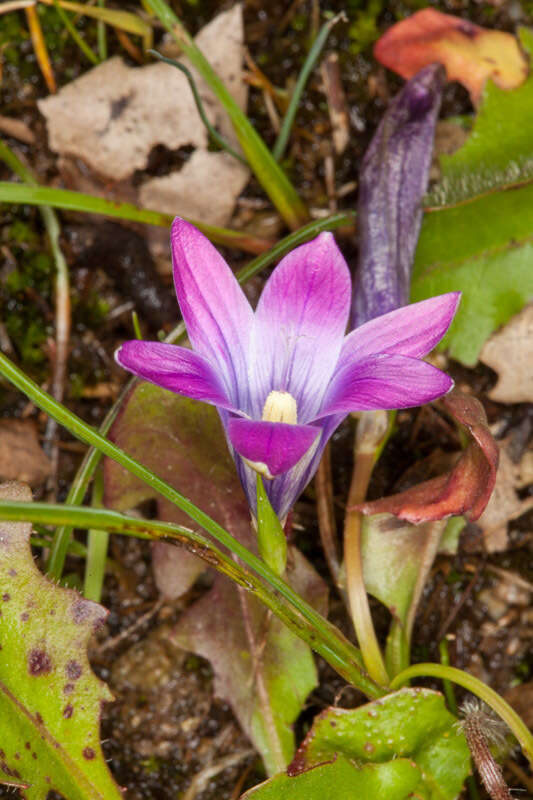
477, 687
83, 46
101, 35
446, 685
330, 637
267, 171
215, 135
310, 61
311, 627
97, 541
371, 428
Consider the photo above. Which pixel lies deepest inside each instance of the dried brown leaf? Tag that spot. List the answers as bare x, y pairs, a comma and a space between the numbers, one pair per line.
509, 352
21, 455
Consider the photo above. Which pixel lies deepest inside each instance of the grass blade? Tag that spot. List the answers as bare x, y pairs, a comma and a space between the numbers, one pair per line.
267, 171
78, 201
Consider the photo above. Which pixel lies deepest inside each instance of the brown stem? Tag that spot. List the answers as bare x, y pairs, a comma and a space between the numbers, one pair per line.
477, 726
326, 516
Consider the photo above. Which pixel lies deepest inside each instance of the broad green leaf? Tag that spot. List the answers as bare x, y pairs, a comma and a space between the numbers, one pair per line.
50, 700
342, 780
411, 724
485, 250
261, 668
499, 151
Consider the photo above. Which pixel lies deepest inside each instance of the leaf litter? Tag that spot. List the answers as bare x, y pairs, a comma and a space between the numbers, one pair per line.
114, 115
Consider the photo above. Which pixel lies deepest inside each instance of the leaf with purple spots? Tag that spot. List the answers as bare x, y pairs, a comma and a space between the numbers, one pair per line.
50, 700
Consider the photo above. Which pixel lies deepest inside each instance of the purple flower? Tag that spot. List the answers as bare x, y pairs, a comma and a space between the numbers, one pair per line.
284, 377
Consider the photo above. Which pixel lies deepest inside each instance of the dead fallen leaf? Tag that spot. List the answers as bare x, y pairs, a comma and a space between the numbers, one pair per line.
21, 456
509, 352
504, 504
521, 699
471, 54
114, 115
205, 188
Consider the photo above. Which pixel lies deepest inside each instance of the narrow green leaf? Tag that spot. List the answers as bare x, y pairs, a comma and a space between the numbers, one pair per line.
124, 20
266, 169
49, 697
77, 201
327, 639
270, 534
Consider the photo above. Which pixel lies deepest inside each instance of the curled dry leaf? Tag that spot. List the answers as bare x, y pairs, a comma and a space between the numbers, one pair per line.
471, 54
510, 353
466, 489
114, 115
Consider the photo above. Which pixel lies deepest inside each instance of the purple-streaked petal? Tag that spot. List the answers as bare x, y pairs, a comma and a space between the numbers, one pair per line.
386, 382
216, 312
274, 447
174, 368
410, 331
300, 322
393, 178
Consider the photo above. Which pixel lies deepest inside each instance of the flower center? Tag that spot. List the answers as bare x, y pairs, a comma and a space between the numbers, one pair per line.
280, 407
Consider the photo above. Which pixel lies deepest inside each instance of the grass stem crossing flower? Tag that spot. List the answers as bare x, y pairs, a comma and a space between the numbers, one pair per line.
285, 376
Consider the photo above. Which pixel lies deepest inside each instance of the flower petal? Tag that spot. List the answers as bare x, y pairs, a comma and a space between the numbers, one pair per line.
174, 368
413, 330
300, 321
271, 447
384, 381
216, 312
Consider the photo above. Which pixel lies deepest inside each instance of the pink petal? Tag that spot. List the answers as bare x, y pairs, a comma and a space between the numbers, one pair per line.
413, 330
274, 447
216, 312
386, 382
300, 321
174, 368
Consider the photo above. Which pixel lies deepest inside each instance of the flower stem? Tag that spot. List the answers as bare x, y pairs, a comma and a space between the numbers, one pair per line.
369, 434
347, 659
477, 687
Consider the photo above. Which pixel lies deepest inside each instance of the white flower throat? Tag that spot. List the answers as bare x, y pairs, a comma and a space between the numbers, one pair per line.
280, 407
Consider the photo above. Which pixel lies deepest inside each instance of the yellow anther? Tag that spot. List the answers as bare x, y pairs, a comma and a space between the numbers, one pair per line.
280, 407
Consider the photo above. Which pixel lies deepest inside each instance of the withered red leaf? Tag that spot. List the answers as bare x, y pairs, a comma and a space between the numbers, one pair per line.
466, 489
471, 54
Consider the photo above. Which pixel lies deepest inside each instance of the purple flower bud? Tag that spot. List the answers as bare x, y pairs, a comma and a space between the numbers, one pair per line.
394, 177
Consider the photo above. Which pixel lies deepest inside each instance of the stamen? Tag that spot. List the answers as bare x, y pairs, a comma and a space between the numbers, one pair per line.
280, 407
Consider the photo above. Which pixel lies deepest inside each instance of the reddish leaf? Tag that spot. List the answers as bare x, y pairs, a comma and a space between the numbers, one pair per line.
466, 489
470, 54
